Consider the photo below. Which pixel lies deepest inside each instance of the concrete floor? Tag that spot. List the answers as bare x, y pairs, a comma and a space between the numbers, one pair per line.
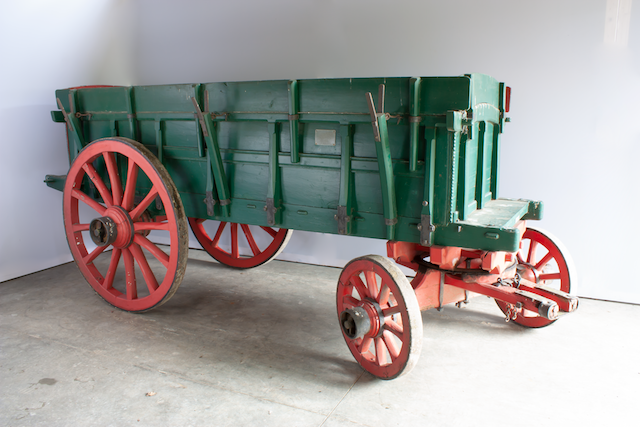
262, 348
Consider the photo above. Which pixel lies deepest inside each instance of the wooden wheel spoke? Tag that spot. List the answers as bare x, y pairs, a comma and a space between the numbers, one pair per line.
383, 297
144, 204
151, 247
544, 261
390, 311
150, 226
97, 181
350, 301
392, 346
372, 284
114, 177
234, 240
216, 239
271, 231
94, 254
393, 327
532, 251
381, 352
550, 276
76, 228
365, 345
148, 275
113, 266
130, 187
250, 240
130, 275
356, 282
80, 195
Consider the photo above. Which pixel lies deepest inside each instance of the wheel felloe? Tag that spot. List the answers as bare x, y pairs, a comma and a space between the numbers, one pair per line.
379, 316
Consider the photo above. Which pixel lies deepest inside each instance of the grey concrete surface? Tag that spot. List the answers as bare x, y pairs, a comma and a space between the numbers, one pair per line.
262, 348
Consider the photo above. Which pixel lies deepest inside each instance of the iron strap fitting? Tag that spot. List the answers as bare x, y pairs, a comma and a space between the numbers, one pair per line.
426, 228
271, 210
216, 115
294, 116
392, 221
342, 219
210, 202
415, 119
200, 116
64, 114
80, 115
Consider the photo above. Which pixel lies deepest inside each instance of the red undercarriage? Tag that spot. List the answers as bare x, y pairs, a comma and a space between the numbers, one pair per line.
446, 275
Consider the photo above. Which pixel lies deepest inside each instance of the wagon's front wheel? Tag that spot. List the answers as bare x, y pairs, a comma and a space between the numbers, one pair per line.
115, 195
543, 260
265, 243
379, 316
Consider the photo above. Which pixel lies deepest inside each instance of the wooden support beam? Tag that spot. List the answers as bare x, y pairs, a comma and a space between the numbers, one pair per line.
273, 206
345, 203
294, 118
414, 122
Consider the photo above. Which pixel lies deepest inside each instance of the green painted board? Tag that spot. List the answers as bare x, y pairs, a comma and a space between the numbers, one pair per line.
455, 152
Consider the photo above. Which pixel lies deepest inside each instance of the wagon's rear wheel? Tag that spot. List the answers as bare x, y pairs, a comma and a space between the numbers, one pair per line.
542, 259
102, 210
265, 243
379, 316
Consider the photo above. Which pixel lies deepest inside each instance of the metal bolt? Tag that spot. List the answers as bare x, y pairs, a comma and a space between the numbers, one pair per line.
425, 203
419, 227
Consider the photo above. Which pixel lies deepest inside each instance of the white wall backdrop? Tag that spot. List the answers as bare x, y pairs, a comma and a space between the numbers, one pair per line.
574, 66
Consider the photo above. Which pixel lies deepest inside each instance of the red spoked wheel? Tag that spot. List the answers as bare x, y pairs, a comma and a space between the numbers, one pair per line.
137, 275
265, 243
543, 260
379, 316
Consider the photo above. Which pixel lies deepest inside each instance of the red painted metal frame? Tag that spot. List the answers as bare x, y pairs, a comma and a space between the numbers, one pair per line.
442, 284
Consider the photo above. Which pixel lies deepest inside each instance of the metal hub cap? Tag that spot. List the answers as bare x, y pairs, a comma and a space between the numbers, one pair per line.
103, 231
361, 321
115, 228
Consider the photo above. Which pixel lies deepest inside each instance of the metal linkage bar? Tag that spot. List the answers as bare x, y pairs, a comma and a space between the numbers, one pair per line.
385, 165
215, 159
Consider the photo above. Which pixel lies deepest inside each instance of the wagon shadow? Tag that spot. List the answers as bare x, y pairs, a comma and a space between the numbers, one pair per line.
268, 320
236, 323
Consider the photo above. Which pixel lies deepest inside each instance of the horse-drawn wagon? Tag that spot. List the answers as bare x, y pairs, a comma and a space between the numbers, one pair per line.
413, 161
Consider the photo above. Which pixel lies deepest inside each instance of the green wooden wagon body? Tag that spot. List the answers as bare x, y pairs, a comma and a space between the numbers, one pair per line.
302, 154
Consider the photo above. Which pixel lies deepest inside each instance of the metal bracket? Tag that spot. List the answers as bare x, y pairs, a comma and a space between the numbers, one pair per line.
426, 228
271, 212
200, 116
64, 113
211, 202
342, 219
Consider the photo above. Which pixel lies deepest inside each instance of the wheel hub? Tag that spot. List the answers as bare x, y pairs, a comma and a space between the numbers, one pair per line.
114, 228
528, 272
364, 320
